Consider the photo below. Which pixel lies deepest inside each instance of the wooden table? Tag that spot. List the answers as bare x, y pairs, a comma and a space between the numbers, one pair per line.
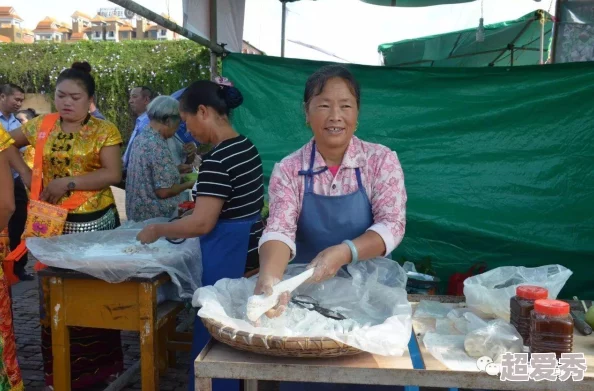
221, 361
81, 300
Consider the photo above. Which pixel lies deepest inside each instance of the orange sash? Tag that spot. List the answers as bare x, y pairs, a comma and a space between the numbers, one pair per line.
43, 219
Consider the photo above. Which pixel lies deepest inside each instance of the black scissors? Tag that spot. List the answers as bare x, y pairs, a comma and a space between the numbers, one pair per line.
175, 241
309, 303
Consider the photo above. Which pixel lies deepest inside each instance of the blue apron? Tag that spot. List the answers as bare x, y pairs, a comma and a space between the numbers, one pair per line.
326, 221
224, 253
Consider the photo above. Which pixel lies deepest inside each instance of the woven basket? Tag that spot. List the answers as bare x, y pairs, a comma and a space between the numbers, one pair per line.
278, 346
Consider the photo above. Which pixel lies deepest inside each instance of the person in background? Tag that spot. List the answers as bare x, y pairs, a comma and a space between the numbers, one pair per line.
25, 115
10, 375
85, 161
94, 110
230, 195
140, 97
153, 181
11, 100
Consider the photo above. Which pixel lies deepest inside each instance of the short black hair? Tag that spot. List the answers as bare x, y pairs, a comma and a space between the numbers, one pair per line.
79, 72
317, 81
10, 88
29, 113
221, 98
146, 92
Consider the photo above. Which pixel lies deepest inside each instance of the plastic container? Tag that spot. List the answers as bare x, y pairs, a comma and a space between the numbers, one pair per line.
551, 328
521, 305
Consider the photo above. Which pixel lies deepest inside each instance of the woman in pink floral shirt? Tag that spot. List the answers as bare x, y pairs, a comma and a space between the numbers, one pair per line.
336, 200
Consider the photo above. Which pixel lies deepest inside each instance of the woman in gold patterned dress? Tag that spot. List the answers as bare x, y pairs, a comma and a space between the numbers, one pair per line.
10, 375
81, 155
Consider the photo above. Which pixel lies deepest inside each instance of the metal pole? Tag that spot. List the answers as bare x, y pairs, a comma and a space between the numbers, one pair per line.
283, 28
213, 38
161, 21
542, 34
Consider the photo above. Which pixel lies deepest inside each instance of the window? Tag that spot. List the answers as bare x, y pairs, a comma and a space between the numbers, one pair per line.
133, 34
110, 34
97, 34
153, 34
19, 35
163, 32
125, 34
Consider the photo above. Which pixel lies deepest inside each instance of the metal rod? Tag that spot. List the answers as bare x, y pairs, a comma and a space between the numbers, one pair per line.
161, 21
213, 38
556, 27
542, 35
284, 23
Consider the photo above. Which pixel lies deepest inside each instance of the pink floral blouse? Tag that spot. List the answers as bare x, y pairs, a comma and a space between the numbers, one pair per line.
381, 175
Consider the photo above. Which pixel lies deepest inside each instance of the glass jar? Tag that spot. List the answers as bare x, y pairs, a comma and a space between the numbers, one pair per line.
551, 328
520, 307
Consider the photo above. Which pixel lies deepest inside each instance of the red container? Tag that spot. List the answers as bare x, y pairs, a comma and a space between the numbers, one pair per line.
551, 328
521, 305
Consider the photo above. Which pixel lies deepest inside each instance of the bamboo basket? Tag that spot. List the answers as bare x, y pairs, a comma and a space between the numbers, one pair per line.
278, 346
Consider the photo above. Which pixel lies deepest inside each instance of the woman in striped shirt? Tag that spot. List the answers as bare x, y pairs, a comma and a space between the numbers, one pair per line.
229, 195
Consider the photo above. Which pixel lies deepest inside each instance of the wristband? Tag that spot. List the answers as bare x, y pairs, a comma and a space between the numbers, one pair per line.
354, 252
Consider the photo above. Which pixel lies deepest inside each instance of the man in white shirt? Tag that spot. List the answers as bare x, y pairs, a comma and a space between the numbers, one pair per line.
140, 97
11, 101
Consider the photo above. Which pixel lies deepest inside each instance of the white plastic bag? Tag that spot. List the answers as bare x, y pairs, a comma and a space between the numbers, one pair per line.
372, 298
489, 293
493, 340
116, 255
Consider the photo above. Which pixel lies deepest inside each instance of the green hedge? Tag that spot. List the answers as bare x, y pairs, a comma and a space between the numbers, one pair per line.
117, 67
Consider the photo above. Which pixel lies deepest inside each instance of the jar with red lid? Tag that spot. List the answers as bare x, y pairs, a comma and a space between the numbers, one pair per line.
551, 328
521, 306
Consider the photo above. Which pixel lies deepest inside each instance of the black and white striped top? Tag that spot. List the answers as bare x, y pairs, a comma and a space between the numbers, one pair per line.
233, 171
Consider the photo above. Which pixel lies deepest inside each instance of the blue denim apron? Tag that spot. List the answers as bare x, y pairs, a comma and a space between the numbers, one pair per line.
224, 252
326, 221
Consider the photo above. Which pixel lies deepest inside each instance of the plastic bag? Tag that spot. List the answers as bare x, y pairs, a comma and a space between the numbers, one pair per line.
116, 255
372, 298
493, 340
489, 293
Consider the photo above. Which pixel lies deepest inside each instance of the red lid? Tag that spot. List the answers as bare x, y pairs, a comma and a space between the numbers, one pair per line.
532, 292
551, 307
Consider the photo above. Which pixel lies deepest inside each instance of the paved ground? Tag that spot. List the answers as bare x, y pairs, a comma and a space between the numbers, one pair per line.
28, 334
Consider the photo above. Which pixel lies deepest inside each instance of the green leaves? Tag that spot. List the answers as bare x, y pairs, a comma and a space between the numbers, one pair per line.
165, 66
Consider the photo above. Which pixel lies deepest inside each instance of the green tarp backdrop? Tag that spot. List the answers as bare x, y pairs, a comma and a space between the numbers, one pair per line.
498, 162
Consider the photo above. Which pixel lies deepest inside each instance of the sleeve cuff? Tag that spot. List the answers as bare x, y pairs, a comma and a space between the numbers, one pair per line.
389, 240
268, 236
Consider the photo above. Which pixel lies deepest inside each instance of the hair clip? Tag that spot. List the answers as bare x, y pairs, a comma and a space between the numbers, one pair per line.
223, 81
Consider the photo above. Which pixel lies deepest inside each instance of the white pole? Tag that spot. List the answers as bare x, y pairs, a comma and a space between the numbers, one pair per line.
542, 28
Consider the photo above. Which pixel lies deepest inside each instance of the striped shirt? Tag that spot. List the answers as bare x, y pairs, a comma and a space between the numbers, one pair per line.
233, 171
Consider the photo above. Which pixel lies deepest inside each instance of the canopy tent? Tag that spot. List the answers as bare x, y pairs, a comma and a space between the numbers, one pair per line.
414, 3
515, 42
497, 161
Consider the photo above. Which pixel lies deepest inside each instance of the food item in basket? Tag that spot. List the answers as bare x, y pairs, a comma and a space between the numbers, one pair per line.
298, 321
521, 305
551, 328
257, 305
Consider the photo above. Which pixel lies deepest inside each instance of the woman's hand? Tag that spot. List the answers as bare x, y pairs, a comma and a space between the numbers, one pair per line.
148, 234
185, 168
55, 190
264, 286
328, 262
190, 150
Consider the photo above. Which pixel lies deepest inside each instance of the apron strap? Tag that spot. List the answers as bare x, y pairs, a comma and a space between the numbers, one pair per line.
309, 173
359, 181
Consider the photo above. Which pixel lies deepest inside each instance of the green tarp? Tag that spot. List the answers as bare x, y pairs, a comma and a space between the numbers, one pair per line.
461, 49
498, 162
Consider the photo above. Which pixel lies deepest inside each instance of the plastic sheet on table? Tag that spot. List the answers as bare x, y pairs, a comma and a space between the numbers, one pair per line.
489, 293
371, 296
115, 256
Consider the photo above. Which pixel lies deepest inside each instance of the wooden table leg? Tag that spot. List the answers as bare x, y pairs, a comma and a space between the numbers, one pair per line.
60, 335
203, 384
149, 374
